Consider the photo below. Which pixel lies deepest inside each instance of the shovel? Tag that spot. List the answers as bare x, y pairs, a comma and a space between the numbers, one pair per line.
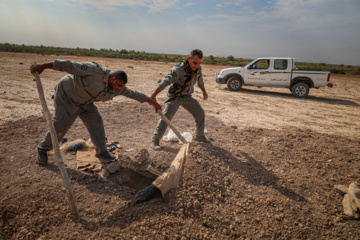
65, 178
163, 117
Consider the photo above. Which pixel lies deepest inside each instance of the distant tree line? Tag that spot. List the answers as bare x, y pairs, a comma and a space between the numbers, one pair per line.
132, 54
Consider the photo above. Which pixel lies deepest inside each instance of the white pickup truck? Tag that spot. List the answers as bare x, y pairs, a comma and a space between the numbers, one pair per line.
274, 72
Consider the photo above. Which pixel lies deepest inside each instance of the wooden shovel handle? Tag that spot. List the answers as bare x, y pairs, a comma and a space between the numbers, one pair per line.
65, 178
171, 126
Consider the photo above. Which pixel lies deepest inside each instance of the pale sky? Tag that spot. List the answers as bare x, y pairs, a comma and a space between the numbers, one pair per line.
320, 31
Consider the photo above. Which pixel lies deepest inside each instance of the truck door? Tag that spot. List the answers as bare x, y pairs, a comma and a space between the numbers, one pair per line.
258, 73
280, 76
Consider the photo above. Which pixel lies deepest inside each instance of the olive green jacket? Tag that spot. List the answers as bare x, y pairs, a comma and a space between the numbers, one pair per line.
87, 83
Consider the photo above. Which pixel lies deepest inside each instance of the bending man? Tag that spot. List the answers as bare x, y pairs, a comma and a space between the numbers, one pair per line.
75, 95
182, 79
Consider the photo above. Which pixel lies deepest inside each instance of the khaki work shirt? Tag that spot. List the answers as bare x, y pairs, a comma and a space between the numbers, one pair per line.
176, 79
87, 83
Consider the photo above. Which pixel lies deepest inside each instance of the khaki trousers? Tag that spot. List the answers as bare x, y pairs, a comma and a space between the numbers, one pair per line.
191, 105
62, 122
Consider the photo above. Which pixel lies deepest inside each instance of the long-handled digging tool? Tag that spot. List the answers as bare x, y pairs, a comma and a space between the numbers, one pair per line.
55, 143
172, 126
172, 177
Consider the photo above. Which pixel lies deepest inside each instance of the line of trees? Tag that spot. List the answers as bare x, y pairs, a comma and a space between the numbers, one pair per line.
132, 54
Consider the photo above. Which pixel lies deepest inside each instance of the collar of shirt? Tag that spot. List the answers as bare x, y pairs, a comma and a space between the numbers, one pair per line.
109, 90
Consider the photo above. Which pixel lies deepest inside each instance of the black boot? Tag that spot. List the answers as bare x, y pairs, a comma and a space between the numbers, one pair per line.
42, 158
106, 155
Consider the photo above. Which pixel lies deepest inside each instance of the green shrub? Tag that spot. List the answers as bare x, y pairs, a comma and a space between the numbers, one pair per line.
337, 71
356, 71
132, 54
231, 58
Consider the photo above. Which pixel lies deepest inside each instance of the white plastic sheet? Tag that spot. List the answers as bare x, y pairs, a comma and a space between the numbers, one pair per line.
171, 137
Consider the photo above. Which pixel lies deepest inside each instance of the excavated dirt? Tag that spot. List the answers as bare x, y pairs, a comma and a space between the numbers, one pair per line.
269, 172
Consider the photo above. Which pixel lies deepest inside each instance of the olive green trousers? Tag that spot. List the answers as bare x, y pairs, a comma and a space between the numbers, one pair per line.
192, 106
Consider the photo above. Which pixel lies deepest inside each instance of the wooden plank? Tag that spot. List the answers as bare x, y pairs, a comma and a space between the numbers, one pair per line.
173, 176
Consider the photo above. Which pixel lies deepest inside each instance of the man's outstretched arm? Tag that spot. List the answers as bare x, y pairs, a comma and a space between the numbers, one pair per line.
40, 67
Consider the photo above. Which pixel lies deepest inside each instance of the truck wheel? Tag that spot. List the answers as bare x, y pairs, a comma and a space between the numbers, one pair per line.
300, 90
234, 84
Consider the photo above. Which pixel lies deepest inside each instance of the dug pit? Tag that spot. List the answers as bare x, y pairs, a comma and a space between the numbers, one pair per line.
133, 171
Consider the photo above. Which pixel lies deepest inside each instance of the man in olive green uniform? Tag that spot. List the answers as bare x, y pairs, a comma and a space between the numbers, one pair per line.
182, 79
75, 95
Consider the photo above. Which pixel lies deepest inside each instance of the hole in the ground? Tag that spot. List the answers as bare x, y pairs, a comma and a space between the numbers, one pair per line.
130, 178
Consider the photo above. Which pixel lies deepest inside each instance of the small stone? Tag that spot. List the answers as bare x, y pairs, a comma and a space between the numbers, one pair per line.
104, 174
113, 167
197, 204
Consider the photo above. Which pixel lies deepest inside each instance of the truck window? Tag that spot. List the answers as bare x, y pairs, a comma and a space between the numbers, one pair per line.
280, 64
261, 64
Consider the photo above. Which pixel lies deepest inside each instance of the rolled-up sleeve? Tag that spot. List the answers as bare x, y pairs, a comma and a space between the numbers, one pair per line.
170, 78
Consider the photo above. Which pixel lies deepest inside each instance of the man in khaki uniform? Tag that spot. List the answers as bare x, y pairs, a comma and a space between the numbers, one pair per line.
182, 79
75, 95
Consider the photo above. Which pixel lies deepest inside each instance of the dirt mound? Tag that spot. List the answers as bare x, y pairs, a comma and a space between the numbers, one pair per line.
269, 172
262, 184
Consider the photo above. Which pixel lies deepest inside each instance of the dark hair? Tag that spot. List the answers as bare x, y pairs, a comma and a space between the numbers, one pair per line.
196, 52
121, 75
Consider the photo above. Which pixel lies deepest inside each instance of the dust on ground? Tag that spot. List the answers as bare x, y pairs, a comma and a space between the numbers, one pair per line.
269, 172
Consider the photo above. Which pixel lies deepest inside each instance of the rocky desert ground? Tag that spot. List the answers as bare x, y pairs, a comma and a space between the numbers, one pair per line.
269, 172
